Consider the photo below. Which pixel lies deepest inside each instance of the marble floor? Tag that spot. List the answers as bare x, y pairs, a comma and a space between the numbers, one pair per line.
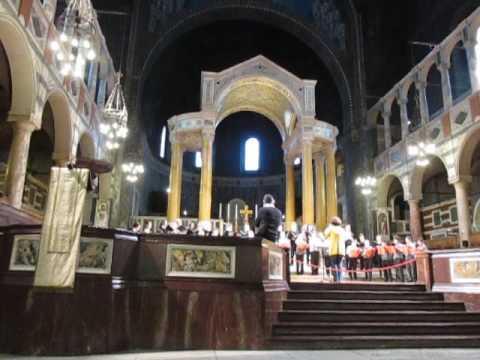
413, 354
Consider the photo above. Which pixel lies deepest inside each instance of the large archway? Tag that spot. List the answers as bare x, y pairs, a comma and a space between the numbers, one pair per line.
22, 69
280, 21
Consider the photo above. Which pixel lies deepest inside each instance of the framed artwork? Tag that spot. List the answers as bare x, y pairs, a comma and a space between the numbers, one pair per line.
275, 265
465, 269
201, 261
25, 251
95, 256
102, 213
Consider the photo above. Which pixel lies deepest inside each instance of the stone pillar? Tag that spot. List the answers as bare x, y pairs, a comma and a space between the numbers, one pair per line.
386, 129
446, 86
205, 201
463, 210
472, 65
17, 161
307, 183
320, 200
422, 97
415, 220
290, 193
402, 103
332, 206
175, 195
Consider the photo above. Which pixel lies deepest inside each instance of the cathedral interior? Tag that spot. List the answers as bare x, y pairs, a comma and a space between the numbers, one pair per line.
119, 119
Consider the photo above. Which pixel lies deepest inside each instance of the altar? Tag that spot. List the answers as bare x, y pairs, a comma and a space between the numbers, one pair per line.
141, 291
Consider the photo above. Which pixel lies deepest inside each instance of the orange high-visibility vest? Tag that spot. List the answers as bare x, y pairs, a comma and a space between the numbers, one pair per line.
370, 253
390, 249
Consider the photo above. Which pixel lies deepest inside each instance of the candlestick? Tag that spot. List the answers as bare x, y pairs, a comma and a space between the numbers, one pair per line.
220, 211
256, 210
228, 212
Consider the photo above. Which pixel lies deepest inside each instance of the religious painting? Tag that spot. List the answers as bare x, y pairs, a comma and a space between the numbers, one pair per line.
465, 270
201, 261
382, 221
95, 256
25, 251
102, 213
275, 265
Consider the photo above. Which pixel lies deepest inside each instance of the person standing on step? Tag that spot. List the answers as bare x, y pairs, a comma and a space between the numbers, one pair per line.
353, 253
398, 258
369, 253
336, 237
316, 243
411, 267
268, 220
387, 259
300, 252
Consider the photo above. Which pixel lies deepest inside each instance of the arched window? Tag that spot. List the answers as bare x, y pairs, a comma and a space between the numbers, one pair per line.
252, 155
198, 159
163, 138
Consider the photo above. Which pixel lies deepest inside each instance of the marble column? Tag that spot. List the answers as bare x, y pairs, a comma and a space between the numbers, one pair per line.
307, 183
205, 201
415, 219
331, 192
422, 97
17, 161
402, 103
472, 65
463, 210
175, 195
320, 200
290, 193
387, 131
446, 86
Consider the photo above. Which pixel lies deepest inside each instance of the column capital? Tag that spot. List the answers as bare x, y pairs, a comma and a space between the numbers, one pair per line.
319, 156
460, 180
208, 134
421, 85
386, 114
443, 66
25, 126
402, 100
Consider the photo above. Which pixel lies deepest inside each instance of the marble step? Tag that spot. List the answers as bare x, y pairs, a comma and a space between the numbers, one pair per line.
363, 295
380, 328
374, 341
371, 305
376, 316
357, 286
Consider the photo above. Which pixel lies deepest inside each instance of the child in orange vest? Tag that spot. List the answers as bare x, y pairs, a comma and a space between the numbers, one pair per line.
353, 253
368, 256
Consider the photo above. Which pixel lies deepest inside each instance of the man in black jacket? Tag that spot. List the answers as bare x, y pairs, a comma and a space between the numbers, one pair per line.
268, 219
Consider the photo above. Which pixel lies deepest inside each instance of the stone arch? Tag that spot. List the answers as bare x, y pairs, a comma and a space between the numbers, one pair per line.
469, 143
383, 189
416, 178
62, 123
86, 146
20, 56
260, 86
236, 10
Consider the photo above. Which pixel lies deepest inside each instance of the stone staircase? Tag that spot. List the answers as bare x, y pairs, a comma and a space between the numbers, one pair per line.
346, 316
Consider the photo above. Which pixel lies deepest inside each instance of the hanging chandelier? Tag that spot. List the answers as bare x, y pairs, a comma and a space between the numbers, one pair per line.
116, 117
366, 184
76, 43
422, 151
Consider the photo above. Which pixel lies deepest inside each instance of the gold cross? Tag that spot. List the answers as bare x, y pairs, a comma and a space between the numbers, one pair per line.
246, 212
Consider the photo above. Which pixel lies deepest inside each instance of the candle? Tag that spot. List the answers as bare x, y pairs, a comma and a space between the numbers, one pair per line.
256, 210
228, 212
220, 211
236, 212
